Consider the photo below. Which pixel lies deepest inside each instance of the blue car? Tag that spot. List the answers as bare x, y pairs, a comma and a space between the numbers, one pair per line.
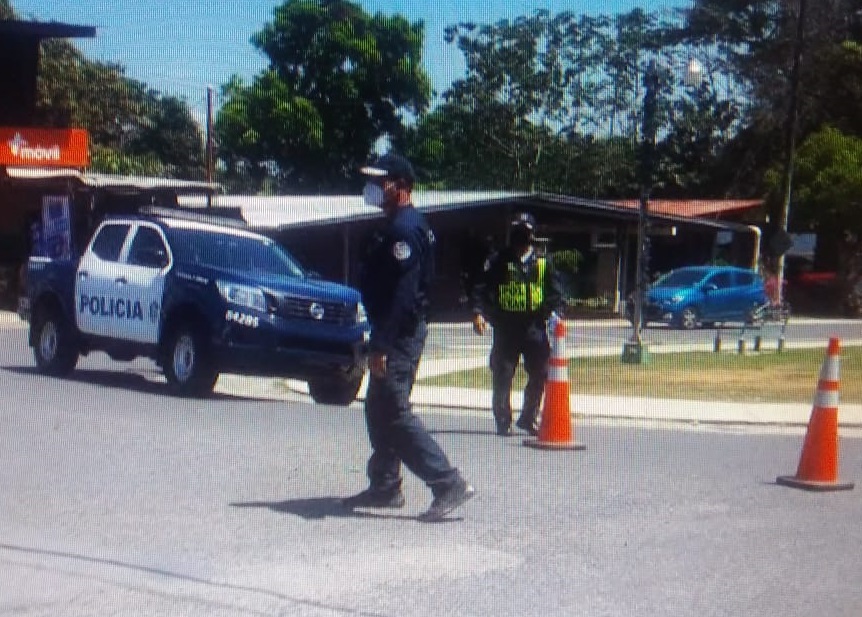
704, 295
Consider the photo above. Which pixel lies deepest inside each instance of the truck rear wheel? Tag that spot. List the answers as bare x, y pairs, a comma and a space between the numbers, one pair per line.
335, 390
186, 362
53, 343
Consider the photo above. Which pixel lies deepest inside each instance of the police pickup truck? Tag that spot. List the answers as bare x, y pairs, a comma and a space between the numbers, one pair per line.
200, 298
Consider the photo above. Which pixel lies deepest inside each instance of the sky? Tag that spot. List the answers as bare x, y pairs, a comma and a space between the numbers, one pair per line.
179, 47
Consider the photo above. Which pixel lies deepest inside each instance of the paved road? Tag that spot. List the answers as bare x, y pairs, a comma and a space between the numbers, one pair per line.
120, 500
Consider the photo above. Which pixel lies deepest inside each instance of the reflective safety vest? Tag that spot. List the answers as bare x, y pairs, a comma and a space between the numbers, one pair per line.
513, 296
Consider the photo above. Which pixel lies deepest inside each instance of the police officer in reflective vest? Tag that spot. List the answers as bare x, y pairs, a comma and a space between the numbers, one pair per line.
397, 269
517, 294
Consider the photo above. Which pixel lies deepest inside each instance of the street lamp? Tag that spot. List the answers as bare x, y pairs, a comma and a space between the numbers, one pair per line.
635, 350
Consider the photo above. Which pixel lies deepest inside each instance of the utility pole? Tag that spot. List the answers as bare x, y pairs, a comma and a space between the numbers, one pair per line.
209, 147
780, 239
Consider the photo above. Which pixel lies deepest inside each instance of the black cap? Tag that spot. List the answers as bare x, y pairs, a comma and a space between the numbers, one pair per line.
390, 166
524, 219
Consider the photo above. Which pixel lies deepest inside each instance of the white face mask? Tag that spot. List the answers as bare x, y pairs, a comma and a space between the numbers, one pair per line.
373, 195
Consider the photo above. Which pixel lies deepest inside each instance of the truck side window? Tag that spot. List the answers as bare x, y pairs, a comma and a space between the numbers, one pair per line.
148, 249
109, 242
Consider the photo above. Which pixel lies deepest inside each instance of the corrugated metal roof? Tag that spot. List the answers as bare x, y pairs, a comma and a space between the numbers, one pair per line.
286, 211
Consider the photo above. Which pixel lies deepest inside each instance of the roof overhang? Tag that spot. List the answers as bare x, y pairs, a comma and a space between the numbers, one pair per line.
628, 212
286, 212
108, 182
45, 30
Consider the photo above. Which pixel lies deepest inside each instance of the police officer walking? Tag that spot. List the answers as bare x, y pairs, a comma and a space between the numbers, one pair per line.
517, 294
396, 273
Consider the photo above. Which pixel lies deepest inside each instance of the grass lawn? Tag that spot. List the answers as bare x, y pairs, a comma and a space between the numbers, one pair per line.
790, 376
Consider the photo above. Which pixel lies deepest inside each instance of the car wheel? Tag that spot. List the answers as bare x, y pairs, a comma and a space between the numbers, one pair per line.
335, 390
688, 318
54, 344
186, 362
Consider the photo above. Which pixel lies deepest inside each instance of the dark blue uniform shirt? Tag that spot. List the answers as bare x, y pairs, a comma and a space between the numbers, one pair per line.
397, 268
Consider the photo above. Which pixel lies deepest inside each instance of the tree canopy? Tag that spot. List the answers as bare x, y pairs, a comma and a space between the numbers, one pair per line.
133, 129
338, 80
553, 102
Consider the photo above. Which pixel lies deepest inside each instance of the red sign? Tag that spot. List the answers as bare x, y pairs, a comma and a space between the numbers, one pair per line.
27, 147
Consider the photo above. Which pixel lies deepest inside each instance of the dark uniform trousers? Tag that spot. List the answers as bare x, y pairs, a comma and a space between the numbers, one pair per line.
512, 339
396, 434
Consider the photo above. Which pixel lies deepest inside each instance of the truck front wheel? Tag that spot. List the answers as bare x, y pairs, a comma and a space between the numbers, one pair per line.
335, 390
54, 343
185, 361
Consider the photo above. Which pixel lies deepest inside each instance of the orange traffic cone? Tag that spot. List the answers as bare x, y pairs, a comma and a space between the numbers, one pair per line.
818, 464
555, 429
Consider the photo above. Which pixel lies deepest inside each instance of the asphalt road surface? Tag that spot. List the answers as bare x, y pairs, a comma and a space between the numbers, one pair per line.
120, 500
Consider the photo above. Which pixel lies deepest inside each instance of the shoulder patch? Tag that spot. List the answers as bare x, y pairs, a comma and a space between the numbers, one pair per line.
401, 251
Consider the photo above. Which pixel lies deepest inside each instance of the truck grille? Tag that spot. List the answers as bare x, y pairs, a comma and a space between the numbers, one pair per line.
302, 308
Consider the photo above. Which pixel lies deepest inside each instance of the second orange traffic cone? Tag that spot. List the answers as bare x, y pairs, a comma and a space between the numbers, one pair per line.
818, 464
555, 428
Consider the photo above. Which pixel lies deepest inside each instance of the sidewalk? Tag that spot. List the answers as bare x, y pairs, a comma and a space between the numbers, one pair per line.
617, 407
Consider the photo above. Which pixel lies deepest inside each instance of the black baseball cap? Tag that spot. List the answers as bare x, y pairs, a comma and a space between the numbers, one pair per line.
391, 166
524, 219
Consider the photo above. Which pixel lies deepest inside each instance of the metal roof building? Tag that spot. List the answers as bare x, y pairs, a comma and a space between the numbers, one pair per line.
326, 232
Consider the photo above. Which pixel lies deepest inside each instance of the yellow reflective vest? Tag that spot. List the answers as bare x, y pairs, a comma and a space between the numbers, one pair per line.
516, 296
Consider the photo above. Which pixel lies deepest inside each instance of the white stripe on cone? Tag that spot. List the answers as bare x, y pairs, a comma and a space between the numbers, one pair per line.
558, 370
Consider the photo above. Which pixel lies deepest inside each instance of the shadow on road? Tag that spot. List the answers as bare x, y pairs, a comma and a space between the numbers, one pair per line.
125, 380
462, 431
316, 508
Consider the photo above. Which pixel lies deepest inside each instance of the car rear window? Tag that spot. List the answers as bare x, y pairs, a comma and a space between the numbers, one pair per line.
745, 278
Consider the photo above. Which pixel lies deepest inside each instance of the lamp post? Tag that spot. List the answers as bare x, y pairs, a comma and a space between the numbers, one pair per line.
781, 241
635, 350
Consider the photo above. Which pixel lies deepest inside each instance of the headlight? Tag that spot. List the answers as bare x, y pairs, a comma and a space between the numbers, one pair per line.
361, 315
242, 295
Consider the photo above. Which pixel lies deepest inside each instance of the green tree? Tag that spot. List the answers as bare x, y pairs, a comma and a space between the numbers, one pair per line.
132, 128
339, 79
750, 44
169, 133
555, 103
828, 200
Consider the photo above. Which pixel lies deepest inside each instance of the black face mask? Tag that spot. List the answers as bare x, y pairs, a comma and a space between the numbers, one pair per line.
520, 237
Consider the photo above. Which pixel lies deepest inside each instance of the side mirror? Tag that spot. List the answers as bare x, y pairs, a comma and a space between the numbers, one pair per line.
710, 287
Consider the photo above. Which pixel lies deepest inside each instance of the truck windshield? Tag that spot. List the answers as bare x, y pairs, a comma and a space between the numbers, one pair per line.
234, 252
